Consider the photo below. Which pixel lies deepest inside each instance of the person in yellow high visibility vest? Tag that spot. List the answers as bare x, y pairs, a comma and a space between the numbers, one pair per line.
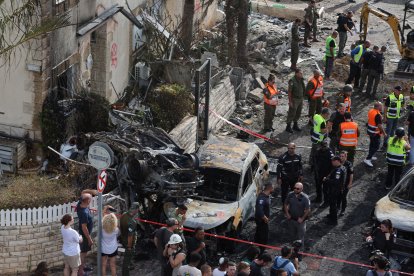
396, 151
355, 65
330, 54
392, 112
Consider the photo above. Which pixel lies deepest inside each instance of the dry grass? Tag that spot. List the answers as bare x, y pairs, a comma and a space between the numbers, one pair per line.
35, 191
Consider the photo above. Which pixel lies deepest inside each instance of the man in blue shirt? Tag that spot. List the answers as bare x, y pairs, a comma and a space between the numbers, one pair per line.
85, 225
283, 262
355, 63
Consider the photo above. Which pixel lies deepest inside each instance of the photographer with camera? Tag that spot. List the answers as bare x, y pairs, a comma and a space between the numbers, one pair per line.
381, 265
284, 262
382, 237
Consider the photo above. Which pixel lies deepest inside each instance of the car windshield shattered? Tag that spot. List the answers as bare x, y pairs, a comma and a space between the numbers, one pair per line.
404, 192
219, 185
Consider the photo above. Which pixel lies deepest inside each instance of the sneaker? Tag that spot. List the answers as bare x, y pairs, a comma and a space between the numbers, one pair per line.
368, 163
373, 158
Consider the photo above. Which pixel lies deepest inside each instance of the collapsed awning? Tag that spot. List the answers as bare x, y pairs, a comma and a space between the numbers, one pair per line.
100, 20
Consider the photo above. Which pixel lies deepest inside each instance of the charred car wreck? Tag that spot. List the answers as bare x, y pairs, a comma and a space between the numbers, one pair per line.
218, 184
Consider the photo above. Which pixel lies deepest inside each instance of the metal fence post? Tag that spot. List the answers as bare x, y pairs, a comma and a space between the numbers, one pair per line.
196, 104
207, 106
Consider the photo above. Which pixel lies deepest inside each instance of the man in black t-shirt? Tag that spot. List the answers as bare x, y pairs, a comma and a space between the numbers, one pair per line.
333, 125
345, 25
376, 70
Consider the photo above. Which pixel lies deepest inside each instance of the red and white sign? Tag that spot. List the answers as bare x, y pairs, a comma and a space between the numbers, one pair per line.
102, 181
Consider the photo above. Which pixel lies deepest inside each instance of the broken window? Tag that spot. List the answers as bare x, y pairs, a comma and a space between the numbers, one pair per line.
219, 185
248, 179
405, 190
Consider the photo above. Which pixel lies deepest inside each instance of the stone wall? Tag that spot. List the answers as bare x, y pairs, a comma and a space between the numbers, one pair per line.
222, 101
23, 247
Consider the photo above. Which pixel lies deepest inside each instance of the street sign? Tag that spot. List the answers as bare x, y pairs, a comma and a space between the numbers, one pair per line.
102, 181
100, 156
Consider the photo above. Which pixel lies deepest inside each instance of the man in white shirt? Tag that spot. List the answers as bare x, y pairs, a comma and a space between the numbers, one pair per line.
223, 265
191, 269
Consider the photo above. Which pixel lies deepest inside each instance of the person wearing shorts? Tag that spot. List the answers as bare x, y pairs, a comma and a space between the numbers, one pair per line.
109, 244
71, 248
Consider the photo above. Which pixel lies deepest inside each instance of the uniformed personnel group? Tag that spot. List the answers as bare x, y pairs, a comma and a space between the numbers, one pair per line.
331, 164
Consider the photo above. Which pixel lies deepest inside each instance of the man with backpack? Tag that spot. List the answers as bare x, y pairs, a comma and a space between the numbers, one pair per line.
284, 262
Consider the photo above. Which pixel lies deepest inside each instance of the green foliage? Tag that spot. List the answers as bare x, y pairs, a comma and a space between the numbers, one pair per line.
170, 103
43, 192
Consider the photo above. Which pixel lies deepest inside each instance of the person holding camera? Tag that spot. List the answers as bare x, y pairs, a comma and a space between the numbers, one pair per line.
382, 237
284, 262
380, 264
175, 255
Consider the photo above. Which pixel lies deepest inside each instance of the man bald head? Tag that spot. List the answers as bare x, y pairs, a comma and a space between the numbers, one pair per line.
291, 148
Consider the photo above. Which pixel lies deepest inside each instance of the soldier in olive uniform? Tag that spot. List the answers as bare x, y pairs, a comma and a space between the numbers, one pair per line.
308, 22
128, 226
296, 92
294, 54
315, 22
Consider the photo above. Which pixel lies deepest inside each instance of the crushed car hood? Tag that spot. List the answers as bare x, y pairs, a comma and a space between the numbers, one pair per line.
400, 215
205, 214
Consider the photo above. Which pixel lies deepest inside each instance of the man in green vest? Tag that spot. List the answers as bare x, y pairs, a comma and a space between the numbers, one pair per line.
128, 228
410, 104
296, 92
393, 105
355, 63
330, 54
319, 131
396, 154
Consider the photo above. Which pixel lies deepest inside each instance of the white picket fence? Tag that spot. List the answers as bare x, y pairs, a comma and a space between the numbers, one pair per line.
19, 217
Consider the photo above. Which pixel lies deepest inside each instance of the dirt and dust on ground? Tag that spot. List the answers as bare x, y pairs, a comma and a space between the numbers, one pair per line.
269, 52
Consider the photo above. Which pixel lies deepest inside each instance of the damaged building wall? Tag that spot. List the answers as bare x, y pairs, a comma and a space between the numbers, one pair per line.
60, 59
222, 101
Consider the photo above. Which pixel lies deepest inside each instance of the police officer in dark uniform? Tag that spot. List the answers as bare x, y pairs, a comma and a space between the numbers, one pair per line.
322, 168
128, 227
335, 181
262, 215
289, 170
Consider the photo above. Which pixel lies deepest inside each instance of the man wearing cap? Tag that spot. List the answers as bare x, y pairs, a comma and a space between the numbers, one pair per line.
392, 111
348, 136
128, 228
262, 215
335, 181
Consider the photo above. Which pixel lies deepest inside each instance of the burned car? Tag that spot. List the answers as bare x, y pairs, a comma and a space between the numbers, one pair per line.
398, 206
233, 172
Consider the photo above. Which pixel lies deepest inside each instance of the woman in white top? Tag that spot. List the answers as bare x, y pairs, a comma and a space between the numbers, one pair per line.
110, 232
71, 248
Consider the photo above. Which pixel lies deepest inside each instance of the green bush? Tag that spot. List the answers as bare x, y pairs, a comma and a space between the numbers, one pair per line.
170, 103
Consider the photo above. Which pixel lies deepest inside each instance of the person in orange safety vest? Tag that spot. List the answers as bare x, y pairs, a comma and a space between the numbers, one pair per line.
348, 136
270, 97
314, 90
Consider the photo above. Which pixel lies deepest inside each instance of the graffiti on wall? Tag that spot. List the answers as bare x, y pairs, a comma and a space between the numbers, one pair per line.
114, 55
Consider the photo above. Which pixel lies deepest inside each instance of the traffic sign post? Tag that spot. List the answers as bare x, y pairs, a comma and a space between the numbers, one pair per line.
100, 156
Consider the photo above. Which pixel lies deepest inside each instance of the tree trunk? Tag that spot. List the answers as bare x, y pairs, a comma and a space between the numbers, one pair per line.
243, 17
187, 26
231, 19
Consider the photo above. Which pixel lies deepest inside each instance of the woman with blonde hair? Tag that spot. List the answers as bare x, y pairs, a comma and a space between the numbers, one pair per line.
71, 248
109, 244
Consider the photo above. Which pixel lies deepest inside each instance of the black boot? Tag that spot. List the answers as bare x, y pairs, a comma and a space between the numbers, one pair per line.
288, 128
296, 127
